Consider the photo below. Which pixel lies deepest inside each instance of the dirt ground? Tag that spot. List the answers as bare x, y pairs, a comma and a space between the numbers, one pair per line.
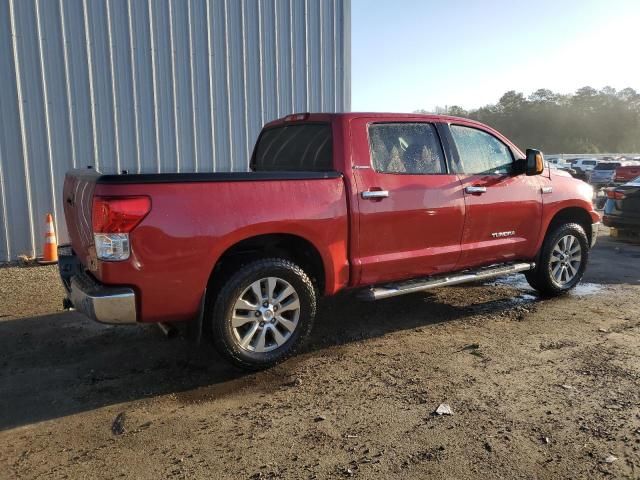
542, 389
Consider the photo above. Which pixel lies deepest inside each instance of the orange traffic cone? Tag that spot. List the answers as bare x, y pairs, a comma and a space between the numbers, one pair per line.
50, 250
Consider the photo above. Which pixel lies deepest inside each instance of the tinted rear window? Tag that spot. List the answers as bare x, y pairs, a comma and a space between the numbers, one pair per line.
303, 147
607, 166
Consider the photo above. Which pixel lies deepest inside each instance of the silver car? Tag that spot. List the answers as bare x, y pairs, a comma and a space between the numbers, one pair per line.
603, 173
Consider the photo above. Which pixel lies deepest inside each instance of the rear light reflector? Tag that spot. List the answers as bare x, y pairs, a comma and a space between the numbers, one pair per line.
113, 218
112, 247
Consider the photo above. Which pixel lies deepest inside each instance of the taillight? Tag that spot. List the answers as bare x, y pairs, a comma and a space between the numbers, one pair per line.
113, 218
615, 194
118, 214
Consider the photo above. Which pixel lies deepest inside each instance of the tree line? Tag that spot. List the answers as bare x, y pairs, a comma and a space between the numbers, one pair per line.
587, 121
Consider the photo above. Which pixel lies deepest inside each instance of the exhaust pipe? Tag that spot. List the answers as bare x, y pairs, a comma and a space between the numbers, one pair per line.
169, 330
67, 304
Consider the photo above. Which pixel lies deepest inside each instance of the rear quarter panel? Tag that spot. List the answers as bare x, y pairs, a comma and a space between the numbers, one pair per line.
190, 226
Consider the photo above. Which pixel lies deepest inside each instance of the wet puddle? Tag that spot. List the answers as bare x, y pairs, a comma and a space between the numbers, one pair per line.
529, 294
586, 289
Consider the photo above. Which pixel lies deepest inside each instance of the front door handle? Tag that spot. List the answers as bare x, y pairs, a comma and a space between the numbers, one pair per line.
476, 190
375, 194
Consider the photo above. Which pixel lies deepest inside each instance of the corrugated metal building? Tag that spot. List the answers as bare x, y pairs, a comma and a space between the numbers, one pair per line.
151, 86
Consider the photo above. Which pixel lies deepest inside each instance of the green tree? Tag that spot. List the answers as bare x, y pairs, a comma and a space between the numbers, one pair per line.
588, 121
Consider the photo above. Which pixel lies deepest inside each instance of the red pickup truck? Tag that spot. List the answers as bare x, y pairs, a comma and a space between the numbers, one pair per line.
626, 173
387, 203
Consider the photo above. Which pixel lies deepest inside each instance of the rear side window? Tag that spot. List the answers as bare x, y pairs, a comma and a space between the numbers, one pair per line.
409, 148
481, 152
304, 147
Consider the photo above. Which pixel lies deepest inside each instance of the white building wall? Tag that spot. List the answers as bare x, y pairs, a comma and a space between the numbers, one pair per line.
151, 86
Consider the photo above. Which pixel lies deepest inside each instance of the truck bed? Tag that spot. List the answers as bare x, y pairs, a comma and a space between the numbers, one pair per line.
195, 218
212, 177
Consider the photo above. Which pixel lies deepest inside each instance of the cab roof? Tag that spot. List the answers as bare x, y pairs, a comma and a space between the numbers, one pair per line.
328, 117
303, 117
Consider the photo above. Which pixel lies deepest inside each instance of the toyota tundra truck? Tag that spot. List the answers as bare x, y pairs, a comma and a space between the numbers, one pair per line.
388, 204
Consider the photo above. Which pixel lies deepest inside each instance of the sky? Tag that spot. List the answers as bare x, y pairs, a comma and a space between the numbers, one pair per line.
419, 54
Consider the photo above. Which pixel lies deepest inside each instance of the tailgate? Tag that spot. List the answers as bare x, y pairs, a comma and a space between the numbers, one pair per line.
627, 173
79, 186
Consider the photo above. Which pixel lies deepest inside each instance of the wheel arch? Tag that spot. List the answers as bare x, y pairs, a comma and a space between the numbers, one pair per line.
570, 214
290, 246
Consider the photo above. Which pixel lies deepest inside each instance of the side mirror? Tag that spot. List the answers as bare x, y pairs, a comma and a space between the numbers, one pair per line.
535, 162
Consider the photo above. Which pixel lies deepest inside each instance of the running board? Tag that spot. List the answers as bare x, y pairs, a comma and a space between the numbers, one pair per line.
411, 286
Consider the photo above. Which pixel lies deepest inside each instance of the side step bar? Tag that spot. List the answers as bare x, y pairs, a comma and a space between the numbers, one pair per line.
411, 286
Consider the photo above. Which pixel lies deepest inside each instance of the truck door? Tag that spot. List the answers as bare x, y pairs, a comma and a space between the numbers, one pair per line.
411, 208
503, 207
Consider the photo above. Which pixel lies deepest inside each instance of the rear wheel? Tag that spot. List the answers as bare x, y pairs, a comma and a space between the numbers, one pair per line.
562, 261
264, 312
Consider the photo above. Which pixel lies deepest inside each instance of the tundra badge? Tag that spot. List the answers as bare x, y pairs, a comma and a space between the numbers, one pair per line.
510, 233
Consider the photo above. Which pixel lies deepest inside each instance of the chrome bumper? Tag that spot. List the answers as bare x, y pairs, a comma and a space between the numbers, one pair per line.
105, 304
595, 228
116, 305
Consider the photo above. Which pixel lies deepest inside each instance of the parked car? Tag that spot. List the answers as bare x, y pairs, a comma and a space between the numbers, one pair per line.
561, 163
622, 209
389, 204
627, 173
569, 170
603, 173
584, 165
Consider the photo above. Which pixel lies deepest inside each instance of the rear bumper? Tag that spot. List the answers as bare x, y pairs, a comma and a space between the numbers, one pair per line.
116, 305
105, 304
618, 221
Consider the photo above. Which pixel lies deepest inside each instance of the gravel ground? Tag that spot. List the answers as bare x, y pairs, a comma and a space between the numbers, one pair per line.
541, 389
28, 291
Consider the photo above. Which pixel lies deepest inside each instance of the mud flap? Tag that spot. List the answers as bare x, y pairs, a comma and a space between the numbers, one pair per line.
194, 328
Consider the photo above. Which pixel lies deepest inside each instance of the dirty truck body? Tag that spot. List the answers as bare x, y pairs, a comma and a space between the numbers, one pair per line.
387, 203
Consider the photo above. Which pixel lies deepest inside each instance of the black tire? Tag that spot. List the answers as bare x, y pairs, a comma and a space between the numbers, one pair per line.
220, 316
541, 278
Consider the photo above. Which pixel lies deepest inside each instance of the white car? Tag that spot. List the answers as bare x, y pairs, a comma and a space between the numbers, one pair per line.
584, 165
567, 169
560, 163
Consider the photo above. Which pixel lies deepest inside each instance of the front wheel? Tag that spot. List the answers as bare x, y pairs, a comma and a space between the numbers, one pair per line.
562, 261
264, 312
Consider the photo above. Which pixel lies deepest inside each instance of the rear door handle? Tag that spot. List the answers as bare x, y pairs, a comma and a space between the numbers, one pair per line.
476, 190
373, 194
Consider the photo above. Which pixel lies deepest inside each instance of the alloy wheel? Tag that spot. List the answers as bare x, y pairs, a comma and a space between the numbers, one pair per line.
265, 315
566, 258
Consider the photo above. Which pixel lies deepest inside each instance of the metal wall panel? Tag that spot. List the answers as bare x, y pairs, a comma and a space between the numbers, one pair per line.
151, 86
